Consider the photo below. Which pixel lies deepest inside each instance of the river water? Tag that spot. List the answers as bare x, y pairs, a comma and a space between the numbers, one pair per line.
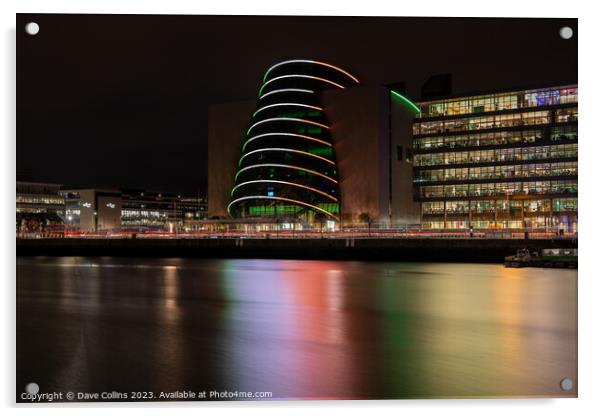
298, 329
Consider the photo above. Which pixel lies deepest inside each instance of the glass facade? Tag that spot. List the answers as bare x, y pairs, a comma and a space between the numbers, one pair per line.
497, 172
483, 122
506, 155
501, 101
287, 166
143, 210
498, 161
39, 208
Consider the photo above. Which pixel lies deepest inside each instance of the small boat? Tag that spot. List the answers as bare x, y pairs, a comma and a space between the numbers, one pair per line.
550, 257
522, 258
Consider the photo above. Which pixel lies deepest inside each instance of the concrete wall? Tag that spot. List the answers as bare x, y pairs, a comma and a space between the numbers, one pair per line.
357, 132
228, 124
106, 203
404, 210
108, 211
395, 249
87, 219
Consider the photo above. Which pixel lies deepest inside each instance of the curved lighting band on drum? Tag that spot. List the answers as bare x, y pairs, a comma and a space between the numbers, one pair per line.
313, 107
286, 90
277, 165
309, 188
299, 120
287, 165
301, 136
280, 149
299, 76
294, 61
293, 201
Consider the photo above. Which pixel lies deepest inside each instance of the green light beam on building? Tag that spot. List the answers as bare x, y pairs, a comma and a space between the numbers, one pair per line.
407, 102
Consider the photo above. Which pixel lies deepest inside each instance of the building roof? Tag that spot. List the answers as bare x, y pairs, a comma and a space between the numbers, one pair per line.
478, 93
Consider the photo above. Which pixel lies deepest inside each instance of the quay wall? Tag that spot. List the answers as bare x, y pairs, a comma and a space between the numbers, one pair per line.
469, 250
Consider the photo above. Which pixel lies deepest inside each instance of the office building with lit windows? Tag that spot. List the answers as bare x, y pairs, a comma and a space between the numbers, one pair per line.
39, 207
161, 211
131, 210
504, 160
92, 210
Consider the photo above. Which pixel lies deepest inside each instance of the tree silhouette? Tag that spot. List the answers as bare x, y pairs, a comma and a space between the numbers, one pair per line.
320, 218
367, 219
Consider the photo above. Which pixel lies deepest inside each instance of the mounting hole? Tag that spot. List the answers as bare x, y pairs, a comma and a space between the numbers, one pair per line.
32, 388
566, 384
32, 28
566, 32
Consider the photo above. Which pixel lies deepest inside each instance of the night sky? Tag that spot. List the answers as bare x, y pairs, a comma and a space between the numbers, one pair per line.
121, 101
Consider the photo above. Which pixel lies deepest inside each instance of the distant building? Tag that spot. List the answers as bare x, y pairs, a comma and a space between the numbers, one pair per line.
91, 210
194, 213
40, 209
161, 211
100, 210
498, 160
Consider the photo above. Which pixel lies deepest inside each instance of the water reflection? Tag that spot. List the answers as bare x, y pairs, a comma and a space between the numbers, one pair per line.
300, 329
